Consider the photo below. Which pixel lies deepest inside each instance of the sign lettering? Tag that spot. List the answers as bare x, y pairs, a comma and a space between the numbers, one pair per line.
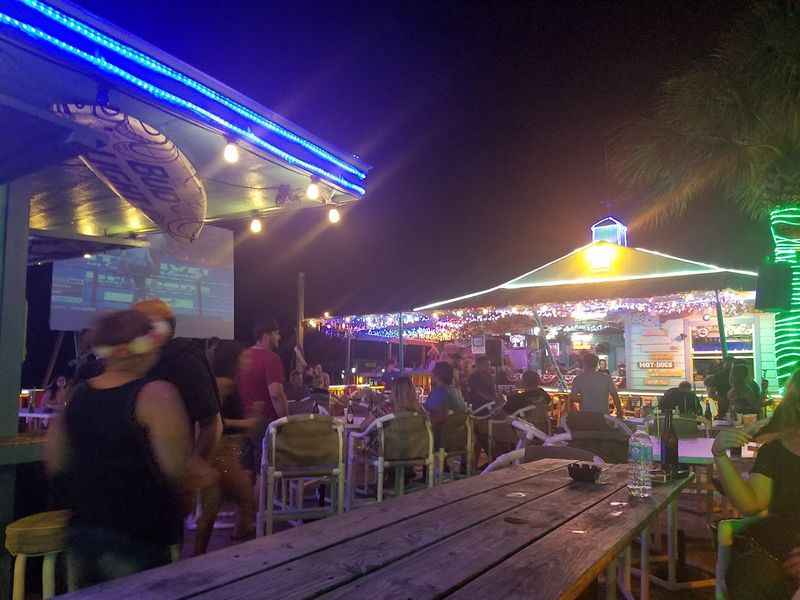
656, 364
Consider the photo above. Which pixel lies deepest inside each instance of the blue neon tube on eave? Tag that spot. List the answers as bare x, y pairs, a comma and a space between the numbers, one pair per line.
245, 133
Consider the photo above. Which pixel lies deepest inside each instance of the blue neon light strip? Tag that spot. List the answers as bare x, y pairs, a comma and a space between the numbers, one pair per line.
103, 64
159, 67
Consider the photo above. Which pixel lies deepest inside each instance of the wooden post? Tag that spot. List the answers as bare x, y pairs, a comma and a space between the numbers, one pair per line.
13, 270
301, 307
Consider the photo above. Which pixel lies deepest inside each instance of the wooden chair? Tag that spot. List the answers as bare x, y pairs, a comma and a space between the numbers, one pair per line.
300, 448
455, 438
395, 441
43, 534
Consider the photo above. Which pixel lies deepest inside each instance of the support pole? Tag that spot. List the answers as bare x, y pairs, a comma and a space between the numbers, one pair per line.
14, 211
349, 359
301, 307
401, 354
723, 340
53, 357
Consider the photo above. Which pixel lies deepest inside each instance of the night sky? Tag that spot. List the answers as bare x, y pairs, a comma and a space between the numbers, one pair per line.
486, 123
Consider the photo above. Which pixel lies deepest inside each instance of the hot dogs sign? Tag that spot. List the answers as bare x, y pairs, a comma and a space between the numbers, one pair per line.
145, 168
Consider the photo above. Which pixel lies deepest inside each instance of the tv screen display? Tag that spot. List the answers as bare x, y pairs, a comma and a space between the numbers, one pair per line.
195, 279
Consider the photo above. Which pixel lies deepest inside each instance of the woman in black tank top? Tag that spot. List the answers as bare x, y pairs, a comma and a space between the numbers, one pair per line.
122, 448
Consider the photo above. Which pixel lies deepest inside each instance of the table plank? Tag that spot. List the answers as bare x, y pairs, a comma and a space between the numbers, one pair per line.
564, 563
21, 448
447, 565
322, 571
211, 571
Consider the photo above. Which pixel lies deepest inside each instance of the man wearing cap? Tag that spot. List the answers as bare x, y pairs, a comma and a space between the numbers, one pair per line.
185, 366
261, 376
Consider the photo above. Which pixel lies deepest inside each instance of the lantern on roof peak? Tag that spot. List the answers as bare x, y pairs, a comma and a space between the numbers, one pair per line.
610, 230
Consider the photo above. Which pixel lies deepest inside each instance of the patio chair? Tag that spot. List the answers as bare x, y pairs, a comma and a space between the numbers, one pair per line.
602, 435
537, 415
534, 453
484, 410
496, 435
726, 530
395, 441
455, 439
299, 448
529, 433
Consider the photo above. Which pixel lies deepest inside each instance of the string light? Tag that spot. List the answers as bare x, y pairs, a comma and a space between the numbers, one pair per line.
87, 256
231, 153
334, 216
312, 191
588, 315
787, 324
161, 94
160, 68
255, 225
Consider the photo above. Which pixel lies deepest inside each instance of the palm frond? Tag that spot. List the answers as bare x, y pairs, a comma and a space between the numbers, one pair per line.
729, 125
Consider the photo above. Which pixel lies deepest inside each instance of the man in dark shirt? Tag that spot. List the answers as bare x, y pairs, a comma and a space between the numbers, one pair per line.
529, 395
482, 389
721, 384
682, 398
184, 365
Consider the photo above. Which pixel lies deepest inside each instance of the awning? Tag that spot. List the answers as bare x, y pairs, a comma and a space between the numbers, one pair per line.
605, 270
54, 52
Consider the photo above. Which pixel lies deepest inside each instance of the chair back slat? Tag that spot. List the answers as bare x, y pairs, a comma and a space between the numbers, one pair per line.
453, 433
306, 441
406, 437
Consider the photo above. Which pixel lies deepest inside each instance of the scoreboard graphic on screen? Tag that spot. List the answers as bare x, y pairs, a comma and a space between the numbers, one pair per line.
195, 279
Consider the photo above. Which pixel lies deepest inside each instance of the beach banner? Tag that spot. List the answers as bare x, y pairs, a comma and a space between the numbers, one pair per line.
143, 167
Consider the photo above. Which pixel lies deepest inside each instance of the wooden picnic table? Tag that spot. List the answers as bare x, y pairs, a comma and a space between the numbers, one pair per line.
527, 531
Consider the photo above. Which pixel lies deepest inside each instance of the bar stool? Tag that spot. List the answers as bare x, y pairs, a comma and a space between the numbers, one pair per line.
43, 534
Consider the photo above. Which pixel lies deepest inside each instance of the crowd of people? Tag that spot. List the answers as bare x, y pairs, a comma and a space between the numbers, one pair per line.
159, 425
153, 426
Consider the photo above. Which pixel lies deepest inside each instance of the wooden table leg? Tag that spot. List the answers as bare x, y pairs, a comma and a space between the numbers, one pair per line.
644, 568
611, 580
349, 474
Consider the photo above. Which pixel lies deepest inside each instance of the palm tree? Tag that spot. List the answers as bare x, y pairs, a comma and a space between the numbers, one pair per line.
730, 125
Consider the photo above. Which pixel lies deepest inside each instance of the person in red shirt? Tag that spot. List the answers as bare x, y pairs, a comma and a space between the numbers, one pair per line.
261, 376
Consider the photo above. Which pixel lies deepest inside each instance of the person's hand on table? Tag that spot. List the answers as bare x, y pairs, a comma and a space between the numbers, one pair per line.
792, 564
727, 440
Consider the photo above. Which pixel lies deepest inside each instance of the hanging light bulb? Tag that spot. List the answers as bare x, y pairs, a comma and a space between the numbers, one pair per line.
334, 216
231, 153
255, 225
312, 191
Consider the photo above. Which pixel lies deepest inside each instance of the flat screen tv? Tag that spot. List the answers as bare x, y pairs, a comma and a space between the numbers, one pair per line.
195, 279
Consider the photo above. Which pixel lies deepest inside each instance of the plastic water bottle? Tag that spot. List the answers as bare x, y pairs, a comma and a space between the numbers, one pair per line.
640, 460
